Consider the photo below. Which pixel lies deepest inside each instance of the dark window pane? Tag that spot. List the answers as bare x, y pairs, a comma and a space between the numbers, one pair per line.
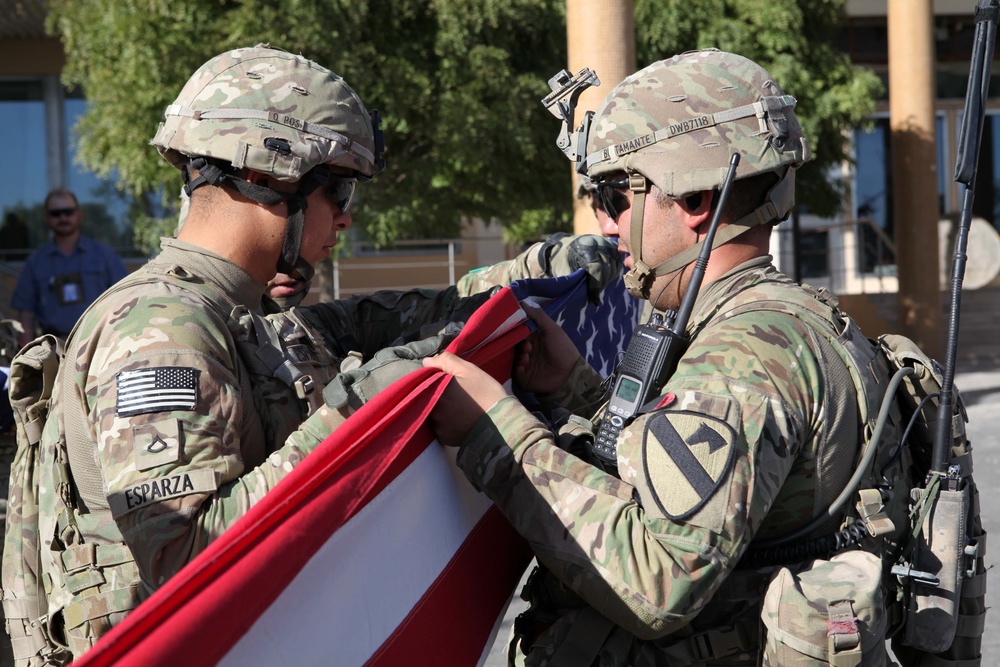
815, 254
25, 180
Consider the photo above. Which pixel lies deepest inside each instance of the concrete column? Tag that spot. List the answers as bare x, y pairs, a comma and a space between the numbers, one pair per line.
914, 170
56, 139
600, 35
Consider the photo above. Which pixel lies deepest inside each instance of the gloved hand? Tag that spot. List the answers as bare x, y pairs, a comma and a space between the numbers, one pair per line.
561, 254
356, 387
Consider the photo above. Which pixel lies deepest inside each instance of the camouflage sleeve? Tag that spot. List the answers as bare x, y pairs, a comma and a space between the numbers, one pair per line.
697, 477
371, 322
558, 255
180, 460
581, 393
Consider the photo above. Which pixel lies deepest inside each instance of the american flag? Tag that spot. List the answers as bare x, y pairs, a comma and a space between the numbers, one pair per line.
157, 390
314, 573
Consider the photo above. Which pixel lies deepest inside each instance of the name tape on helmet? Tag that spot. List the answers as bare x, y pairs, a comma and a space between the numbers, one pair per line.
758, 109
272, 116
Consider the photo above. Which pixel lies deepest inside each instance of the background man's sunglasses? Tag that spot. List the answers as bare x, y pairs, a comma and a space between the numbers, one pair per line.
59, 212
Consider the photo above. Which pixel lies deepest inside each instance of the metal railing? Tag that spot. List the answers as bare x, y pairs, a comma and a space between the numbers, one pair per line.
422, 263
848, 256
837, 260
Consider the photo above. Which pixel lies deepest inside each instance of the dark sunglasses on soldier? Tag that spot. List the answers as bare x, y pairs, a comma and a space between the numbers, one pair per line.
611, 196
340, 190
60, 212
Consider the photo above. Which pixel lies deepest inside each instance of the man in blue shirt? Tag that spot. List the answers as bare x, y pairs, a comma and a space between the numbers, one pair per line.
64, 276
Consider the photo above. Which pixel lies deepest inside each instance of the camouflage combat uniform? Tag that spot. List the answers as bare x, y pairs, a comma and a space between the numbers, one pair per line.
167, 478
754, 435
10, 331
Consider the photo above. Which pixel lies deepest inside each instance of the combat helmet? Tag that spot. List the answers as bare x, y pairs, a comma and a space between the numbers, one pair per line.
276, 113
676, 124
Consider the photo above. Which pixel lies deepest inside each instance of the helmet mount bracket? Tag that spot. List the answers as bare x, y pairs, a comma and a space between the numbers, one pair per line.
561, 103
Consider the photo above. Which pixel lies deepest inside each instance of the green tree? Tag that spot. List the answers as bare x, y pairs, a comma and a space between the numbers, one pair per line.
794, 41
458, 83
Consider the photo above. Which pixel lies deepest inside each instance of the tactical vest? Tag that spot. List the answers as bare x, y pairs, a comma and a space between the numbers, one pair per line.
89, 587
738, 641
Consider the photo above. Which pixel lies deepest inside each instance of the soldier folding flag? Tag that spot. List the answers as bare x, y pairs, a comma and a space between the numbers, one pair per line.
375, 550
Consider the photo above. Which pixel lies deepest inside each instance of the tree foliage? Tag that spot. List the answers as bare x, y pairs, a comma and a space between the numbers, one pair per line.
458, 83
794, 41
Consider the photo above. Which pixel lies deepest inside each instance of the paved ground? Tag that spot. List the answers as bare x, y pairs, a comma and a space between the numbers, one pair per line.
979, 385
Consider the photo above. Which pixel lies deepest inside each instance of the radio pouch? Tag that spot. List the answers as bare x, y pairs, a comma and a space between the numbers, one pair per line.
939, 546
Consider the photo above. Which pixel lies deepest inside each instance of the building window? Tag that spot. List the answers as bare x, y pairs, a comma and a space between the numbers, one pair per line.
873, 193
986, 202
814, 249
23, 171
36, 121
106, 209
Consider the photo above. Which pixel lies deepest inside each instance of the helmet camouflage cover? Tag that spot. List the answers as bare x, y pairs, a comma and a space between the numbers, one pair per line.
271, 111
678, 121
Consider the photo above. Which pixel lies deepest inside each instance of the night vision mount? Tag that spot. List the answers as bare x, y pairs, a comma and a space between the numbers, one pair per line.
561, 103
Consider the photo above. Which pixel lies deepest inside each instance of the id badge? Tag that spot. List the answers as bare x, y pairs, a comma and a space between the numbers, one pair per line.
69, 289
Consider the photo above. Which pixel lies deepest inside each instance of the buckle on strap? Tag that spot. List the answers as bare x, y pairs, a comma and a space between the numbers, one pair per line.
843, 634
713, 644
37, 641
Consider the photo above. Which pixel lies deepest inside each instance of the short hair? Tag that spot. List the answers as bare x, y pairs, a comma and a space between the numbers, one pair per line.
60, 192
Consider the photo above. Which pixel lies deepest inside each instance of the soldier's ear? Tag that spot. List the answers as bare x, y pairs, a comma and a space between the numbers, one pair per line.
257, 178
697, 208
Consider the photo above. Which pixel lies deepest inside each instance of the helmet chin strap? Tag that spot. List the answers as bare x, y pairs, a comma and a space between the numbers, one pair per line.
290, 261
639, 280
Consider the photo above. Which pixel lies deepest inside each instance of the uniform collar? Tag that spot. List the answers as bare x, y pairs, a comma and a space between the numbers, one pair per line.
715, 293
232, 279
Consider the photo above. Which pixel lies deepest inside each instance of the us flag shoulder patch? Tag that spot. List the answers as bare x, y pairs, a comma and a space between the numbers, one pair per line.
157, 390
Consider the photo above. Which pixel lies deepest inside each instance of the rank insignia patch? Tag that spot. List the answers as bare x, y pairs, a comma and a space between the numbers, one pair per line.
689, 454
157, 390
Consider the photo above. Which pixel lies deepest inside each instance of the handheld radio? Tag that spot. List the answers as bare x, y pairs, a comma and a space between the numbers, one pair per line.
654, 349
649, 358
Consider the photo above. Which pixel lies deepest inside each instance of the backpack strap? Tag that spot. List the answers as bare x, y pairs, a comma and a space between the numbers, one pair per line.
33, 374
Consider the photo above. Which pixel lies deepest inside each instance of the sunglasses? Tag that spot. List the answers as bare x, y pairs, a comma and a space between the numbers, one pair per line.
611, 196
340, 190
60, 212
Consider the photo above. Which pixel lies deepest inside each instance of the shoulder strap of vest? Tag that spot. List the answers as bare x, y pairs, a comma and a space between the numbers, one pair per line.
845, 338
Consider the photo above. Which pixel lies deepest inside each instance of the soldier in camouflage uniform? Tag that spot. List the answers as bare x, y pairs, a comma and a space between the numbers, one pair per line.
754, 434
185, 395
10, 336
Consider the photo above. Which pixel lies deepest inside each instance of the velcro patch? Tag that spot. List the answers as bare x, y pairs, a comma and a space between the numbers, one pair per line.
689, 454
157, 390
156, 443
162, 488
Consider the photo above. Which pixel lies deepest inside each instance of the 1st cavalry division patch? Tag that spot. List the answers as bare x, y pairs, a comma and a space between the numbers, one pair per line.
689, 455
